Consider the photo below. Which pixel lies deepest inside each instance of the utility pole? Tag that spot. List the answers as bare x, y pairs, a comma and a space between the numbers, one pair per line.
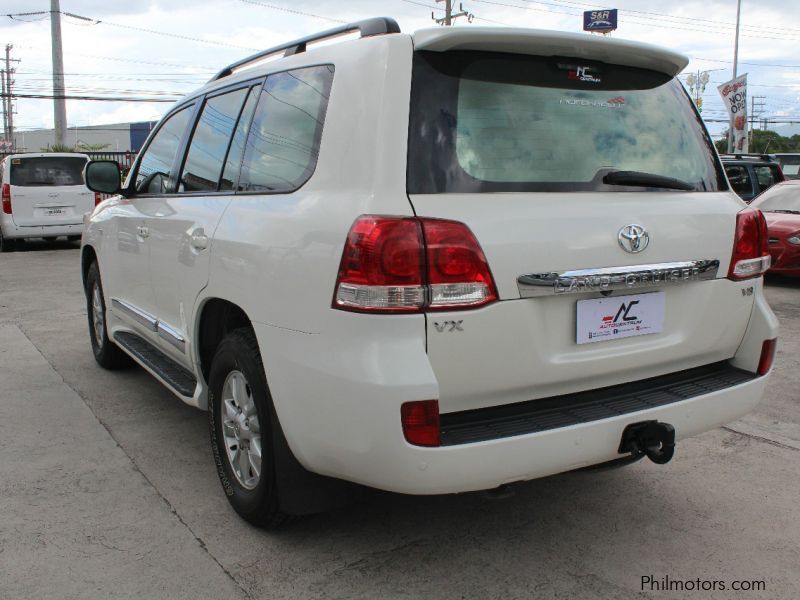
756, 103
449, 17
5, 104
8, 96
735, 64
59, 104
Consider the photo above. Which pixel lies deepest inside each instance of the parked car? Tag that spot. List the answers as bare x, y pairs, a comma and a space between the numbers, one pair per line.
432, 263
790, 164
781, 207
43, 196
751, 174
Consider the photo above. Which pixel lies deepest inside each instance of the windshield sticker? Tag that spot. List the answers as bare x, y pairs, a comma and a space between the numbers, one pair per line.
587, 74
614, 103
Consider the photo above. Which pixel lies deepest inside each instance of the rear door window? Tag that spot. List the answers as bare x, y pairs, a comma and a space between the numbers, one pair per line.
47, 171
767, 176
739, 177
210, 141
483, 122
283, 143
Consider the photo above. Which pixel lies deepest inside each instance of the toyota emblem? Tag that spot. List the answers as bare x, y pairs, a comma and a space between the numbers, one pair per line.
633, 238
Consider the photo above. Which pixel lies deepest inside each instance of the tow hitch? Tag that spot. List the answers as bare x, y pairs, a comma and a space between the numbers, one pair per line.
651, 438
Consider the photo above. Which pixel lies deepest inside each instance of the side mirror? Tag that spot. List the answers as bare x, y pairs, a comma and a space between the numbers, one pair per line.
103, 176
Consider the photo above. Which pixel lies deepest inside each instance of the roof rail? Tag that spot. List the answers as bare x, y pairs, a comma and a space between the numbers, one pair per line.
367, 27
750, 155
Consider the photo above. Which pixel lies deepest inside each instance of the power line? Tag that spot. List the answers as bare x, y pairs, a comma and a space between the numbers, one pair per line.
292, 11
95, 98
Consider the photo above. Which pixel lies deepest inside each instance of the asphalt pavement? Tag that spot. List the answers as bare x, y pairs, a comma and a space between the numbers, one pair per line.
108, 490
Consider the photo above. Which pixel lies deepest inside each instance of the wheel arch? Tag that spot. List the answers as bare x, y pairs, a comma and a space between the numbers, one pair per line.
88, 256
216, 317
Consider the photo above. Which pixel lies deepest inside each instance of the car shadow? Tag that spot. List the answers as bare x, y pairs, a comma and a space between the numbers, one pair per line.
41, 244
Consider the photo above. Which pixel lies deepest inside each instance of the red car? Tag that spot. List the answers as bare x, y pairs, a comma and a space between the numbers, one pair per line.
781, 207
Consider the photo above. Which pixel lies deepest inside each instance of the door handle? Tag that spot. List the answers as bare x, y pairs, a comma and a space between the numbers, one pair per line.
143, 231
199, 239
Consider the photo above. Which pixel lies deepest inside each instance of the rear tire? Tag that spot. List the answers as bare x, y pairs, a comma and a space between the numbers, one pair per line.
107, 354
242, 423
7, 245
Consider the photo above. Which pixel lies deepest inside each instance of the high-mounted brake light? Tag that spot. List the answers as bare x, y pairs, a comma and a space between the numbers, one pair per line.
420, 421
407, 264
6, 198
751, 256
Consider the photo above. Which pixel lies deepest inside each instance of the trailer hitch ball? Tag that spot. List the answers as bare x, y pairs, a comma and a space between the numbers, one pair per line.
649, 438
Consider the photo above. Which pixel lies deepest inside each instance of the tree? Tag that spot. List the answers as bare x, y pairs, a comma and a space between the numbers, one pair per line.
765, 141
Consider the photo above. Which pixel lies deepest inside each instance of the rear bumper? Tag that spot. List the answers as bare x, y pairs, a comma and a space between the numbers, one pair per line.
338, 397
11, 231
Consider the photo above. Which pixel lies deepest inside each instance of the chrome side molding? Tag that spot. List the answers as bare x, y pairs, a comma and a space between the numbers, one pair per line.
171, 336
616, 278
164, 331
137, 315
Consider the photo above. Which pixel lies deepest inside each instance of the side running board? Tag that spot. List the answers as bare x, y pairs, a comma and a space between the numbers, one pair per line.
178, 378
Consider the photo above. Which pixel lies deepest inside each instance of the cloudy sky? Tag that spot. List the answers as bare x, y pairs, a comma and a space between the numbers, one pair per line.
161, 49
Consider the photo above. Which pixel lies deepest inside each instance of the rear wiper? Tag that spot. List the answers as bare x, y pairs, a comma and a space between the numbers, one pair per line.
784, 210
638, 178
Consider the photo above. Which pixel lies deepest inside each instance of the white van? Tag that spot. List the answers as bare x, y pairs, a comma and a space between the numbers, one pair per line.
43, 195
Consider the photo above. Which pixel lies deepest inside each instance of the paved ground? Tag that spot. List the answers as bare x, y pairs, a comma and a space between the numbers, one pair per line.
107, 489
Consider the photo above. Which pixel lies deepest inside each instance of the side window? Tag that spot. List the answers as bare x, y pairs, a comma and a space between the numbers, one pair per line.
234, 160
210, 141
767, 176
282, 147
739, 178
154, 173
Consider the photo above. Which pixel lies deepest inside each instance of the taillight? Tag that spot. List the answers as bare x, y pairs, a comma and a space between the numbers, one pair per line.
6, 198
420, 421
381, 267
458, 275
750, 246
407, 264
767, 356
98, 198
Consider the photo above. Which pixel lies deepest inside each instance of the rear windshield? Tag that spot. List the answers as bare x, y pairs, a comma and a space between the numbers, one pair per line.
484, 122
784, 197
790, 163
47, 170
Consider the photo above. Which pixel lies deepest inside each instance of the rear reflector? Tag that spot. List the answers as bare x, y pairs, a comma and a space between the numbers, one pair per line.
420, 421
751, 256
407, 264
6, 198
767, 356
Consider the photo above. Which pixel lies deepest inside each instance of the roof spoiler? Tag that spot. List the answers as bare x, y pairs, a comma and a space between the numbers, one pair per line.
367, 28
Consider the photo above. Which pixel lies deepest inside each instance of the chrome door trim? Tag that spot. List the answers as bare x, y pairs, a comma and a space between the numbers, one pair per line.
171, 336
136, 314
616, 278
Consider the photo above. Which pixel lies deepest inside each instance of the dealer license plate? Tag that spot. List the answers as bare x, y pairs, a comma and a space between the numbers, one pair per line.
615, 317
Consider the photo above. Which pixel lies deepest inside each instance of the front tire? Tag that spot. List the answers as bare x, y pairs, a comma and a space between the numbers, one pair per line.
107, 354
241, 425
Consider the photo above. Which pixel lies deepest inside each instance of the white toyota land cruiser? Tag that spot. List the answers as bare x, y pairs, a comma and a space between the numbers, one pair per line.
433, 263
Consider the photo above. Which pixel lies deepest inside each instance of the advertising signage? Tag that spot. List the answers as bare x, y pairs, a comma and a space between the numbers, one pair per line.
600, 20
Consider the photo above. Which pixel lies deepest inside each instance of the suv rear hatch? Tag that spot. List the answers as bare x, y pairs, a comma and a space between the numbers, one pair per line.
560, 164
48, 189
